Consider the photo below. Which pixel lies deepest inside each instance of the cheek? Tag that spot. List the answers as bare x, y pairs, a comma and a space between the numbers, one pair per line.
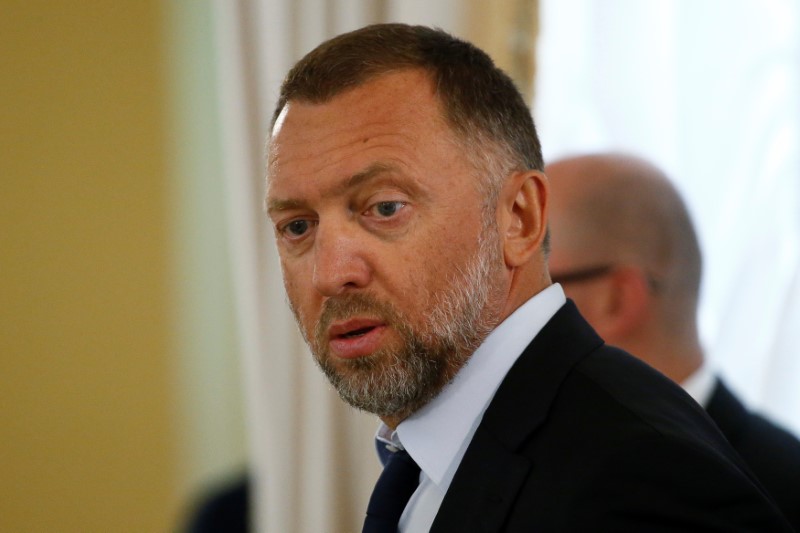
298, 290
437, 261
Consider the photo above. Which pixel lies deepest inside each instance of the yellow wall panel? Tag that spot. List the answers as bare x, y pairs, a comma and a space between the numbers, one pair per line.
86, 405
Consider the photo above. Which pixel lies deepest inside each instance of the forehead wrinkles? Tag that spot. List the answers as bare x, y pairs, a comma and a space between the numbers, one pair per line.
309, 146
403, 126
322, 171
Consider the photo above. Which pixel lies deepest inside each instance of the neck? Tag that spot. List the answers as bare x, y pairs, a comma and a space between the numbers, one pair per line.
675, 356
525, 283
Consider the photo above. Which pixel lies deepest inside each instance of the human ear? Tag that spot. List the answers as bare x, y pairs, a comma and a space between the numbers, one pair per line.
629, 302
523, 216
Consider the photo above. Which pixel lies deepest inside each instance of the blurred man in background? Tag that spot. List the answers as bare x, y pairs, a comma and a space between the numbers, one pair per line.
624, 249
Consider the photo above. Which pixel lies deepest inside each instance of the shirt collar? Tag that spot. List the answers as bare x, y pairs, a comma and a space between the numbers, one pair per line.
437, 435
700, 384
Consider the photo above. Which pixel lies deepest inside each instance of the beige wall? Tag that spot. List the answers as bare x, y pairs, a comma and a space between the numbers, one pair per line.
86, 416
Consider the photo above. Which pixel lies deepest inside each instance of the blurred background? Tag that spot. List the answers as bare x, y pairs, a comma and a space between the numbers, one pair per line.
148, 355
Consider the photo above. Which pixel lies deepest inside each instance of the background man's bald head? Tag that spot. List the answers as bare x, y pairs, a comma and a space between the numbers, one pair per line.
613, 207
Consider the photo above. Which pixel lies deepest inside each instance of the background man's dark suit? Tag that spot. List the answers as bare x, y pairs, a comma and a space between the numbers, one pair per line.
543, 446
771, 452
543, 458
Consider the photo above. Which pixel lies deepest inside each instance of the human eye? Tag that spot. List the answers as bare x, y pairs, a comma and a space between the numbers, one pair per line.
387, 209
295, 229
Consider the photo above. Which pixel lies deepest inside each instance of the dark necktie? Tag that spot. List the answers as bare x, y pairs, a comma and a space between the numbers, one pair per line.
396, 484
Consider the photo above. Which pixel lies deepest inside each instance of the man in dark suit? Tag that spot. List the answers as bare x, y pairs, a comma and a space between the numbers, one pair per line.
625, 250
406, 189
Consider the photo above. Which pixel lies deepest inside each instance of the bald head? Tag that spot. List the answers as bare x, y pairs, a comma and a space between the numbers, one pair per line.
611, 210
610, 207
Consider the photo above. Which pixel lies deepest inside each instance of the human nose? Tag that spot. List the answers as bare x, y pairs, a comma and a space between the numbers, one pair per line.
340, 264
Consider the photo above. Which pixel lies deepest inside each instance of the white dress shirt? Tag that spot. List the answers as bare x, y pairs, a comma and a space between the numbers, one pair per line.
437, 435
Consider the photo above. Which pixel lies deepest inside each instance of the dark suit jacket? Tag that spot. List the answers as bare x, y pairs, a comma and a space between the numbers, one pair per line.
772, 453
583, 437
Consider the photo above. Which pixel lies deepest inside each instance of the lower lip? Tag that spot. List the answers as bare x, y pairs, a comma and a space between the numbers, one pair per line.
355, 347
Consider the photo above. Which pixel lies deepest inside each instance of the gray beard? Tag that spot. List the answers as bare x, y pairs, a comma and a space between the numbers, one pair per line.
397, 381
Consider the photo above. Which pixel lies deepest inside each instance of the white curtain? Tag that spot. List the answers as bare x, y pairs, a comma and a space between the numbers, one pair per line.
710, 91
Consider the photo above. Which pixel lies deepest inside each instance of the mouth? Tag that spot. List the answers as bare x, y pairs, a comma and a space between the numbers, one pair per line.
355, 338
353, 327
356, 333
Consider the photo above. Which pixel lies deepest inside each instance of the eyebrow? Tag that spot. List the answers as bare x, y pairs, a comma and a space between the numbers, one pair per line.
274, 205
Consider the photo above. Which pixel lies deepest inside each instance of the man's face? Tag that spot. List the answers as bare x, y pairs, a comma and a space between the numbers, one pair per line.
391, 268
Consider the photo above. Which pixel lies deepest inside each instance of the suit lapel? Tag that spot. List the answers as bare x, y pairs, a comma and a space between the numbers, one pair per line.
492, 472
